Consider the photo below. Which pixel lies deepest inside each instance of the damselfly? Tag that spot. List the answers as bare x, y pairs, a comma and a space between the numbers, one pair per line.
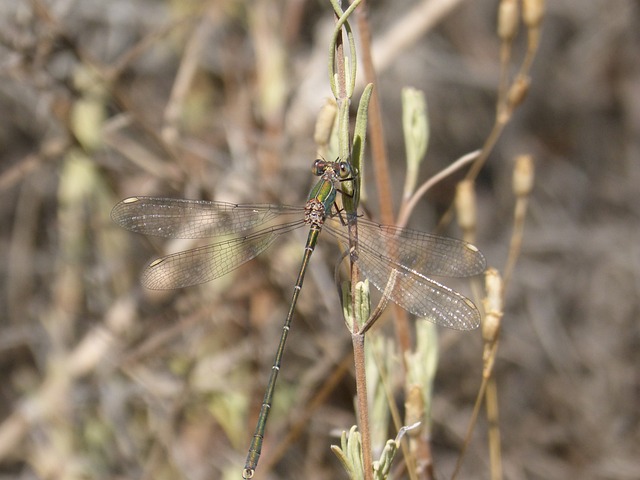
383, 253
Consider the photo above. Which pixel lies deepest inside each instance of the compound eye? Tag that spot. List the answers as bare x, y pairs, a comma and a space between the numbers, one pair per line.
318, 167
345, 170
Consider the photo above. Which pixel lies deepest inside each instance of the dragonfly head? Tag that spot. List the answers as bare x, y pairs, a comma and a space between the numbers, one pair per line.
334, 170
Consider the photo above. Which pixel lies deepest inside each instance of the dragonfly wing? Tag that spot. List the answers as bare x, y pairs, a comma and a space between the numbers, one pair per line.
200, 265
418, 294
395, 266
422, 252
178, 218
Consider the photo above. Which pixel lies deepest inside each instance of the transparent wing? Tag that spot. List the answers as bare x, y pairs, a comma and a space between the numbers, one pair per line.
203, 264
425, 253
178, 218
418, 294
397, 262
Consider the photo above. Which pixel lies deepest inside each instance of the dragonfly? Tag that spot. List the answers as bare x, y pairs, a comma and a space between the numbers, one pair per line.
407, 258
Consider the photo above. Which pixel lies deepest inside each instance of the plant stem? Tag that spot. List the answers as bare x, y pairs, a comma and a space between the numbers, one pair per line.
357, 339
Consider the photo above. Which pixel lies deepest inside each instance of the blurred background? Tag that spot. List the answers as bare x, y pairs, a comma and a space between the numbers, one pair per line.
217, 99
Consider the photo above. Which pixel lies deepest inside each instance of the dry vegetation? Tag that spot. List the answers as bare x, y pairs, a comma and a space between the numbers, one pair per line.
217, 100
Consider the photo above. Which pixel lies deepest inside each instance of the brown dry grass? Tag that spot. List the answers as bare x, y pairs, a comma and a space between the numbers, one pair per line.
102, 100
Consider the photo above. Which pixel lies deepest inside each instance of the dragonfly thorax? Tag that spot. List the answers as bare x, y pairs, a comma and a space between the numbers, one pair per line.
314, 212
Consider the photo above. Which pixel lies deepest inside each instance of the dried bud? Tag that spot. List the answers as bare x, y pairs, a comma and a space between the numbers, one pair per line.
518, 91
532, 13
523, 174
492, 305
466, 205
507, 20
324, 123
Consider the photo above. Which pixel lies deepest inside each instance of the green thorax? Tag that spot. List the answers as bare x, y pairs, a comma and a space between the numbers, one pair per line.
323, 194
